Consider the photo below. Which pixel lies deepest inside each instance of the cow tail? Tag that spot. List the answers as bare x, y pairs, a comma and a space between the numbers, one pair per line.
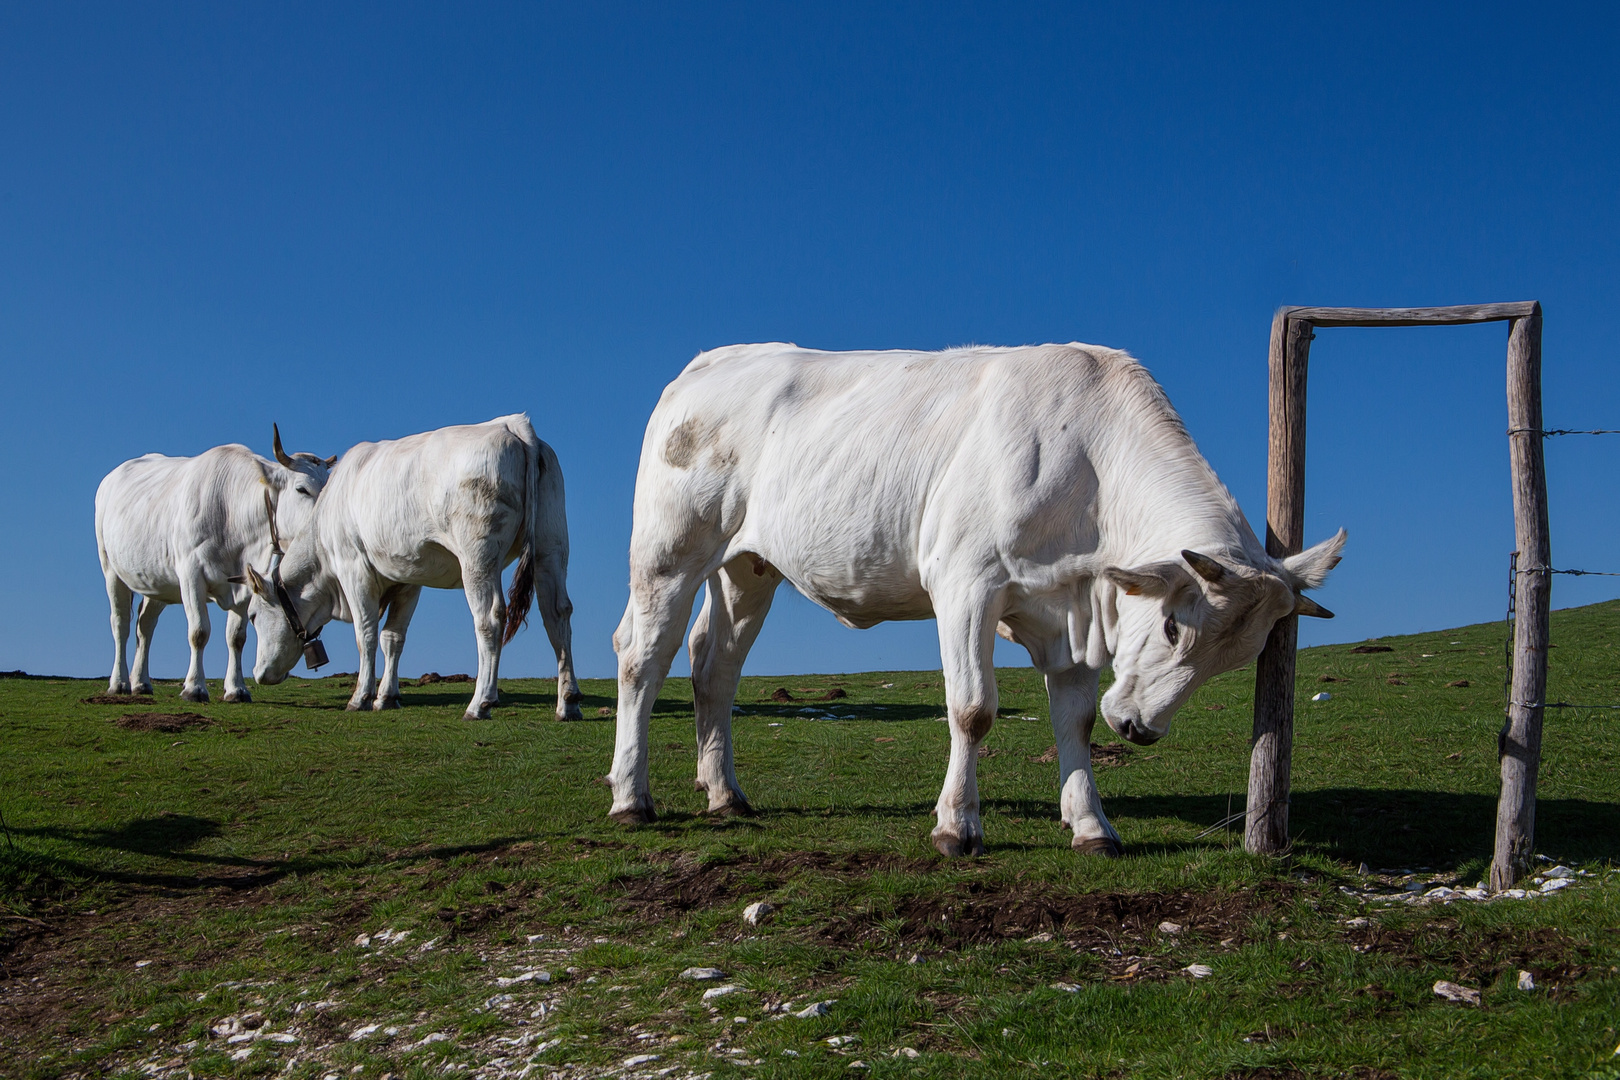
521, 596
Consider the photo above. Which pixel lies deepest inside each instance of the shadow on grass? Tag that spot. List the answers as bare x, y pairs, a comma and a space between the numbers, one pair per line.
169, 836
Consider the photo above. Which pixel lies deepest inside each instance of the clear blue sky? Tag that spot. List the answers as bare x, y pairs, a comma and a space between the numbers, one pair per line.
365, 221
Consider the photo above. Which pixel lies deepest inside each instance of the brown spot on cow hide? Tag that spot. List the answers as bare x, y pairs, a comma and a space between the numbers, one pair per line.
684, 443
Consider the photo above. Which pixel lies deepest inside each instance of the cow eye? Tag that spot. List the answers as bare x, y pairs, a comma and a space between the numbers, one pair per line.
1172, 632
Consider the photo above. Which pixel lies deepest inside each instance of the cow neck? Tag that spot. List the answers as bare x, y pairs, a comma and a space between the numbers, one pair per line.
304, 568
1156, 492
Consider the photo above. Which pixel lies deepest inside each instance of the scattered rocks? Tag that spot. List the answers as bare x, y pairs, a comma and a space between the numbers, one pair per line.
1199, 971
639, 1059
843, 1040
758, 912
703, 974
1527, 981
1168, 927
1463, 995
722, 991
810, 1012
1322, 696
1066, 987
534, 975
907, 1052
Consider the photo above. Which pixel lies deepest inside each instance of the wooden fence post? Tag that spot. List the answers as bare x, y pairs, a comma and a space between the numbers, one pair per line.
1520, 744
1266, 828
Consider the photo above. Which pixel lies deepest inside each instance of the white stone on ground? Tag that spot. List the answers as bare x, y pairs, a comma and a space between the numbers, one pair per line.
843, 1040
820, 1008
758, 912
1527, 981
720, 991
1168, 927
703, 974
1199, 971
1465, 995
639, 1059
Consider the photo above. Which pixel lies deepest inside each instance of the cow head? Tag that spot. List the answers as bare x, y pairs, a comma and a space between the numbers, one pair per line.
287, 617
309, 470
1177, 624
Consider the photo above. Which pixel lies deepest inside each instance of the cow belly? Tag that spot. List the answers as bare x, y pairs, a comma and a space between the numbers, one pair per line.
430, 566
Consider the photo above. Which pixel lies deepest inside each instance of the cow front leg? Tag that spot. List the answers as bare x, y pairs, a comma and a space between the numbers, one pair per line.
737, 600
1072, 695
401, 606
235, 638
489, 621
194, 598
556, 612
121, 600
966, 648
145, 627
363, 603
646, 641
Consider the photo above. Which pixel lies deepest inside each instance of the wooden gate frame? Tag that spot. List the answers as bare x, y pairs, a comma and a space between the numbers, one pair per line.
1519, 746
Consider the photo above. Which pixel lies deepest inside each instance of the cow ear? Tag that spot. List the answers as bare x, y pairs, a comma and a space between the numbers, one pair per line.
1154, 580
256, 583
1309, 569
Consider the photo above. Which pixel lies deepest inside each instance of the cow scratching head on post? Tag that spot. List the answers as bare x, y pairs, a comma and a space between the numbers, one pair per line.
1178, 624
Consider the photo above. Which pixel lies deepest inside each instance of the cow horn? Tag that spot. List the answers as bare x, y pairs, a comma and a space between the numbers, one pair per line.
1206, 567
1304, 605
281, 455
331, 461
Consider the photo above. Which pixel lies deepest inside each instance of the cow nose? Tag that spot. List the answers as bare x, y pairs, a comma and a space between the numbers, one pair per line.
1136, 733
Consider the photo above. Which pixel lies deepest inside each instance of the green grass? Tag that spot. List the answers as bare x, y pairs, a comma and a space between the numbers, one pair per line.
238, 864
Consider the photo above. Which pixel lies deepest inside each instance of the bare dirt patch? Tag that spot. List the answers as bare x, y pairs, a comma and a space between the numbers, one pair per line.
1363, 650
169, 723
686, 884
118, 699
1105, 922
1479, 957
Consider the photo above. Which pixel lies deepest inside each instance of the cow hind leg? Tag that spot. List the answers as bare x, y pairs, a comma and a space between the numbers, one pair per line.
737, 600
121, 600
556, 611
483, 589
401, 606
646, 642
235, 638
966, 645
1073, 698
145, 627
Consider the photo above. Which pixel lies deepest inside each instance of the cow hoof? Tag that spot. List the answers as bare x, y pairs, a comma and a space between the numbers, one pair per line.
635, 815
383, 704
1105, 846
571, 711
363, 705
478, 712
194, 693
142, 688
118, 688
956, 847
238, 697
734, 808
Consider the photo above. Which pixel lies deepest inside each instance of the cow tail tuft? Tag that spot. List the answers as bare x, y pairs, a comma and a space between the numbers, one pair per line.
521, 596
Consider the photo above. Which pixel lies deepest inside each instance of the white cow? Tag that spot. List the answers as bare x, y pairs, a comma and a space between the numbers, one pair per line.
443, 509
175, 530
1047, 493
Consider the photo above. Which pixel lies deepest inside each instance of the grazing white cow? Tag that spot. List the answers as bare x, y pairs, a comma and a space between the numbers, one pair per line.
445, 509
175, 530
1047, 493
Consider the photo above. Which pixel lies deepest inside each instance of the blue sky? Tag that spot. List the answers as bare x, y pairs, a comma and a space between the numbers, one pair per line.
365, 221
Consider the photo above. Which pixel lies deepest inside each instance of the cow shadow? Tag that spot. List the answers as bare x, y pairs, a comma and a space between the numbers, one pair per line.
1396, 828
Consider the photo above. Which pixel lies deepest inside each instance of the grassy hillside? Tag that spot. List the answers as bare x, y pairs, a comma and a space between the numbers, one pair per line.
240, 874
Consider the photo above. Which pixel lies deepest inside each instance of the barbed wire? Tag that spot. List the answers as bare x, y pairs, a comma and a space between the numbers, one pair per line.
1548, 434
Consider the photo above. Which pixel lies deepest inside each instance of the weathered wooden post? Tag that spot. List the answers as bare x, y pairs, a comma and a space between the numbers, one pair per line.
1271, 761
1520, 744
1265, 830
